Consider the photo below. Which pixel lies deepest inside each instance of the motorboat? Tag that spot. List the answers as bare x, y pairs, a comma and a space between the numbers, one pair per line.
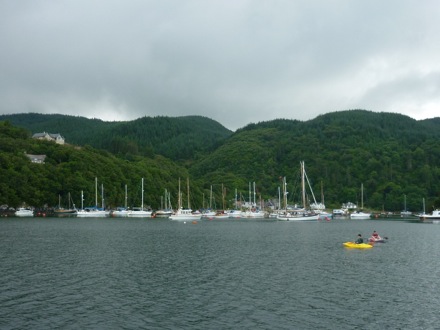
24, 212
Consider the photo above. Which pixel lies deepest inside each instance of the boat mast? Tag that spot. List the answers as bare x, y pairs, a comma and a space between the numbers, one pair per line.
255, 201
223, 196
362, 196
82, 199
250, 196
303, 185
187, 187
125, 196
179, 199
96, 192
142, 195
102, 196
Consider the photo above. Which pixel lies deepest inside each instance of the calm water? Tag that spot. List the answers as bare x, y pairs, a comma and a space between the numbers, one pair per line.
161, 274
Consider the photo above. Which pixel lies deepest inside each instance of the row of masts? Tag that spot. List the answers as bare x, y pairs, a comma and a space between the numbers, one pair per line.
167, 199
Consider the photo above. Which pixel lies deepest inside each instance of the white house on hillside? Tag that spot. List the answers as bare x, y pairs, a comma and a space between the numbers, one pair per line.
38, 159
50, 137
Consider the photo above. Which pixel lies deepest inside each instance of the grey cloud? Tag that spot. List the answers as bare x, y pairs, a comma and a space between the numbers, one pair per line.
234, 61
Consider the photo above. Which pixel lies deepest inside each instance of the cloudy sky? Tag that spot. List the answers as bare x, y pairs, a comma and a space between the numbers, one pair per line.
235, 61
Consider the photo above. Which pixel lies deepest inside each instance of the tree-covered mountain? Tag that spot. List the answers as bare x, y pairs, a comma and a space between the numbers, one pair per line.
391, 155
178, 138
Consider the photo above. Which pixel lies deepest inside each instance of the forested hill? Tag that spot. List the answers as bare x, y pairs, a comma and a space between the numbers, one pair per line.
177, 138
391, 155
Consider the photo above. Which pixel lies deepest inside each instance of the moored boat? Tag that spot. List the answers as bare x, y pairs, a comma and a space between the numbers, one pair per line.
298, 216
120, 212
140, 212
62, 212
425, 217
24, 212
185, 214
360, 215
234, 214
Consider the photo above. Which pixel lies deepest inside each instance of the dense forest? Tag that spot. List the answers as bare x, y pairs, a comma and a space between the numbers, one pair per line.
391, 155
181, 138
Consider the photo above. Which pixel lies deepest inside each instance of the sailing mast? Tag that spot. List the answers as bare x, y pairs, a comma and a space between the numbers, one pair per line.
303, 185
187, 187
96, 192
125, 196
362, 196
142, 195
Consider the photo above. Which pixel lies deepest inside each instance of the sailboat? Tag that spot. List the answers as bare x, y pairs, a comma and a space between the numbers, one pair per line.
235, 213
299, 214
139, 212
166, 211
62, 212
93, 211
209, 213
121, 212
184, 214
361, 214
253, 212
405, 212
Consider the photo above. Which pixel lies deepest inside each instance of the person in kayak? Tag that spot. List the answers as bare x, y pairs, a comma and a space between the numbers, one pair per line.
359, 240
375, 236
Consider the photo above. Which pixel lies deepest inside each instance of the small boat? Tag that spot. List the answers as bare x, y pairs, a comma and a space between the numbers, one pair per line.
24, 212
360, 215
163, 213
379, 239
185, 214
120, 212
353, 245
93, 211
298, 216
62, 212
234, 214
140, 212
338, 213
435, 215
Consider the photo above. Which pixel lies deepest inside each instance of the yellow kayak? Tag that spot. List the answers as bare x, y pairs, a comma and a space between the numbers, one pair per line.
353, 245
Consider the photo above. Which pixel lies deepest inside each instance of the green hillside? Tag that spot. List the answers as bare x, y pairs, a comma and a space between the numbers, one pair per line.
390, 154
178, 138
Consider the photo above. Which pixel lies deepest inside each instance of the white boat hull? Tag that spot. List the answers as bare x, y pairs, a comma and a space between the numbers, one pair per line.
22, 212
434, 216
139, 214
294, 217
360, 215
185, 215
92, 214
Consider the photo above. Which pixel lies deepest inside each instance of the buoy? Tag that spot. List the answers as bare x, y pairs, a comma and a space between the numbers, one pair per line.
194, 222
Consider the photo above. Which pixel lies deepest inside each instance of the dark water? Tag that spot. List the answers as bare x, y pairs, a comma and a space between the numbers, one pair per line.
161, 274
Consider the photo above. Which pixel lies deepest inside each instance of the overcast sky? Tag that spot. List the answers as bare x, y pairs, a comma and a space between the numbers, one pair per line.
235, 61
